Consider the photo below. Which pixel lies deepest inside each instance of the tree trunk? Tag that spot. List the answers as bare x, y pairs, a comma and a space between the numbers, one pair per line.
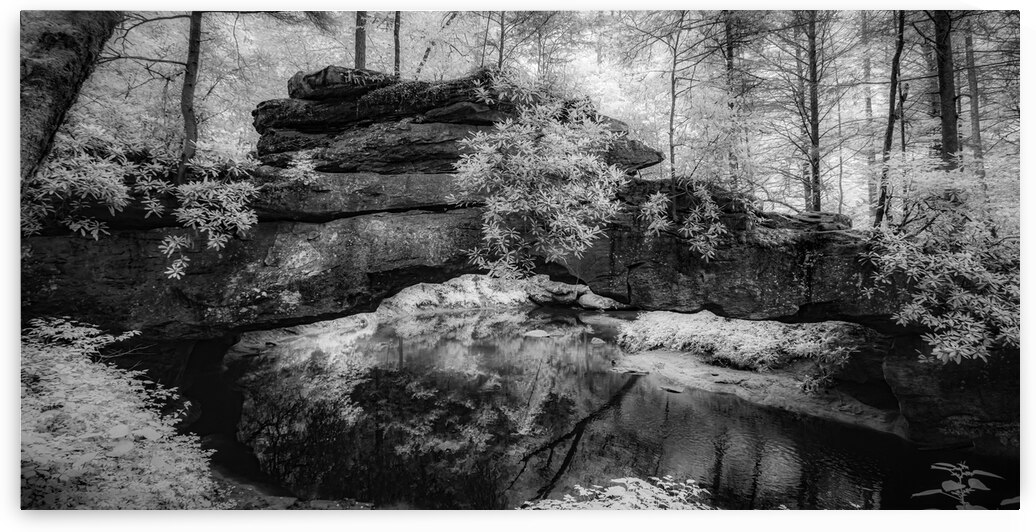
675, 50
500, 56
360, 52
58, 52
814, 112
890, 128
190, 80
395, 42
729, 53
485, 40
947, 92
872, 183
800, 104
973, 98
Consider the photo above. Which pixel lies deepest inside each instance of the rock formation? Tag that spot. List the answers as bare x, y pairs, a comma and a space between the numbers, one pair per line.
381, 212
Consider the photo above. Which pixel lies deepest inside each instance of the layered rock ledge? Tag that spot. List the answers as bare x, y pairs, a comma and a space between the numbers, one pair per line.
382, 212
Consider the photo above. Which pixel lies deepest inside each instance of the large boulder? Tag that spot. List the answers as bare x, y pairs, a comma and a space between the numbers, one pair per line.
948, 405
768, 266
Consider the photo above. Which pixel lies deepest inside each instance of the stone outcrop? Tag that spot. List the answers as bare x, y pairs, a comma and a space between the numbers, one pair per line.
358, 121
381, 215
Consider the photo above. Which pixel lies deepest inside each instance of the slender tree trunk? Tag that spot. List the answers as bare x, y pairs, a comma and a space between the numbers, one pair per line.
395, 42
672, 120
675, 51
729, 53
485, 40
872, 182
360, 53
841, 159
58, 52
814, 112
190, 81
890, 128
800, 103
500, 55
947, 92
973, 98
428, 51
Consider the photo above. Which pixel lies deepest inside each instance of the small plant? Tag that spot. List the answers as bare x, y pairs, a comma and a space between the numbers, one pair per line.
631, 494
302, 168
962, 484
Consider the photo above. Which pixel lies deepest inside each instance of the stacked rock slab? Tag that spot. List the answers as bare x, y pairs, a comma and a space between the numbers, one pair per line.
381, 212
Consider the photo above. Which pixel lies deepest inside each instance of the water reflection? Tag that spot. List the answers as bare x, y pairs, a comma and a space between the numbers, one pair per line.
462, 411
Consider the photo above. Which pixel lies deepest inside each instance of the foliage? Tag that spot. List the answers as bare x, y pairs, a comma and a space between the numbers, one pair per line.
962, 484
744, 344
547, 189
962, 280
631, 494
302, 168
92, 437
701, 227
91, 169
210, 208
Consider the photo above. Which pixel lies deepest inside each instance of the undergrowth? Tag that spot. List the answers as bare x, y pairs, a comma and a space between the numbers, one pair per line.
742, 344
92, 436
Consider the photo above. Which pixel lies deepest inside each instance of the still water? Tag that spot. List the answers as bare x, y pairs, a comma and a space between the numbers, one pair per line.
464, 410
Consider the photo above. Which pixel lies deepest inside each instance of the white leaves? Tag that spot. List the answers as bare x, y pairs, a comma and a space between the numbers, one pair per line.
962, 282
547, 189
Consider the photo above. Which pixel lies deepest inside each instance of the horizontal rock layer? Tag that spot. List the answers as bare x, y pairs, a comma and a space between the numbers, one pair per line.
283, 272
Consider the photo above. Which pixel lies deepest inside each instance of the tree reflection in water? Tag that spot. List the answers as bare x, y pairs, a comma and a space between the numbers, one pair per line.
460, 410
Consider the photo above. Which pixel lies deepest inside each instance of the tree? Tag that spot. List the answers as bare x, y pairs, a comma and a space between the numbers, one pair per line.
949, 146
974, 104
190, 79
395, 43
360, 53
890, 128
59, 51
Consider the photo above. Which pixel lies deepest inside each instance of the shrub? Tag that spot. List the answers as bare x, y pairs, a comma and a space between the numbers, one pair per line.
631, 494
962, 281
89, 168
547, 188
92, 437
743, 344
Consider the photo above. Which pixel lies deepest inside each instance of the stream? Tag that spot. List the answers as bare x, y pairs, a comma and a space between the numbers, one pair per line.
467, 411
